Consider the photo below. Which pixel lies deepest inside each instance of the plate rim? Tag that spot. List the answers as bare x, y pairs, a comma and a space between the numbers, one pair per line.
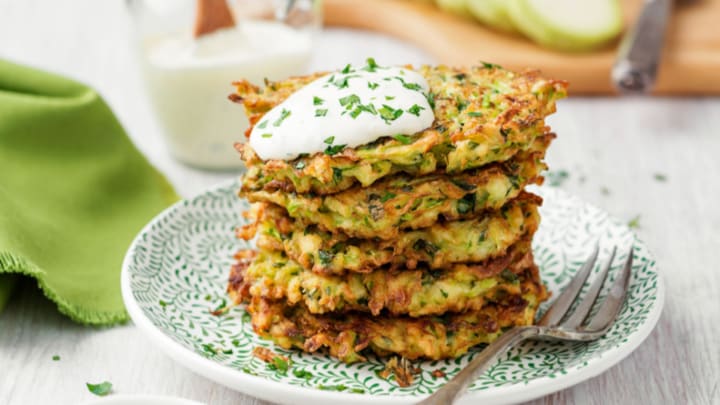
270, 390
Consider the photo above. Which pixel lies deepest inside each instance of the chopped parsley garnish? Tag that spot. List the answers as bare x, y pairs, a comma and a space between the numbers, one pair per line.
263, 124
466, 204
321, 112
365, 107
317, 101
372, 86
634, 223
463, 184
266, 135
349, 101
431, 99
334, 149
302, 374
283, 114
474, 114
388, 195
162, 303
101, 389
346, 69
326, 256
390, 114
488, 65
56, 358
389, 98
343, 83
557, 178
444, 293
371, 65
337, 174
660, 177
415, 110
412, 86
509, 276
279, 364
209, 349
403, 139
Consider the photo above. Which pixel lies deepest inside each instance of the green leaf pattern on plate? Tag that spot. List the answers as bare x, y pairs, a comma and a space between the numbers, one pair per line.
183, 261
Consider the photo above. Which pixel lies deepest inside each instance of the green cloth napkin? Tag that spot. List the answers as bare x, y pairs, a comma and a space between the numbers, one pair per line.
74, 192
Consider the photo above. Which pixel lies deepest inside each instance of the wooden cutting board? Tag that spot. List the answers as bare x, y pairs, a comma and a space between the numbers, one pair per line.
690, 65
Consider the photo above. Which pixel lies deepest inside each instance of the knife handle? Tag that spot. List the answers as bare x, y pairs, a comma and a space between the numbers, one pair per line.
636, 65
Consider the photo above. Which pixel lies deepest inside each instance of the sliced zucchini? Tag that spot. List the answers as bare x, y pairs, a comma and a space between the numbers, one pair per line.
492, 13
567, 25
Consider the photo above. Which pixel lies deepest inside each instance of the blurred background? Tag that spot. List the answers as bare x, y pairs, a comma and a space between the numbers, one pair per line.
646, 154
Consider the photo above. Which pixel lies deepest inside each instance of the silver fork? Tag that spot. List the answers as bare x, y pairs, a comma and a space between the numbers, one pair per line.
558, 323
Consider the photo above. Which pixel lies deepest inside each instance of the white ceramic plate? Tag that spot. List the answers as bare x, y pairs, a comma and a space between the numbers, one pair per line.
175, 273
140, 400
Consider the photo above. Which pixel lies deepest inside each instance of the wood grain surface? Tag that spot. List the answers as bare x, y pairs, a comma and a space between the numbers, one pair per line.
690, 64
612, 148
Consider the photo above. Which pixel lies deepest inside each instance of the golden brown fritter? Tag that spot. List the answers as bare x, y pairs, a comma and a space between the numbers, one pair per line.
402, 202
436, 247
349, 336
484, 114
419, 292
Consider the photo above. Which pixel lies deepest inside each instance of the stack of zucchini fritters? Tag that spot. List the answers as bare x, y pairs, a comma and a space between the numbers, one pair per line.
417, 245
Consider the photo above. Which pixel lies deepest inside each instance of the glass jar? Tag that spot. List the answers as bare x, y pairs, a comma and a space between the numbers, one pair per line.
189, 79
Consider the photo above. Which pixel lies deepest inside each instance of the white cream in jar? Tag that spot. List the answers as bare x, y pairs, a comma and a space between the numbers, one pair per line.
190, 79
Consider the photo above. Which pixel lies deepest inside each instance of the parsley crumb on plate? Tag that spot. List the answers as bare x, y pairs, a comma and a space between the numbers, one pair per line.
102, 389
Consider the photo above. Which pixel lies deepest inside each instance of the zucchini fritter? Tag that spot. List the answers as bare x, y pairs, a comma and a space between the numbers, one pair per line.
348, 335
484, 114
402, 202
419, 292
444, 243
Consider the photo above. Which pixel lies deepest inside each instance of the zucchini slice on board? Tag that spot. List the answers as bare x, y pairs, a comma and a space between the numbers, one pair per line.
492, 13
457, 7
567, 25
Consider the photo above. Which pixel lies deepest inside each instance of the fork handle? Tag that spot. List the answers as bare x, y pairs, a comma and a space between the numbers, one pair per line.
457, 385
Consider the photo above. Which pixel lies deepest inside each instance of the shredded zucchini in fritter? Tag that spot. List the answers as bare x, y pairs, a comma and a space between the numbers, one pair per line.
349, 336
483, 115
404, 202
460, 287
417, 245
438, 246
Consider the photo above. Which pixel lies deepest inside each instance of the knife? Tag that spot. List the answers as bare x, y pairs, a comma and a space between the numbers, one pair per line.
636, 64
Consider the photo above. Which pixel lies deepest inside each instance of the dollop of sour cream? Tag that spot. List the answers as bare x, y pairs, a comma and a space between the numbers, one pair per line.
349, 108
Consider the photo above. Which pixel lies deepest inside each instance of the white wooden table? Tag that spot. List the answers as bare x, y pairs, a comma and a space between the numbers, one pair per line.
612, 148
